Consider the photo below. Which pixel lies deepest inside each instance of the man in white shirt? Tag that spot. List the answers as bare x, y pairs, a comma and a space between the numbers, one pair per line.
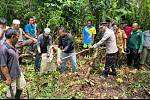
111, 49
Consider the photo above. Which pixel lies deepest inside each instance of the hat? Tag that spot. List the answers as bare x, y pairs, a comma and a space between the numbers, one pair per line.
102, 23
16, 21
47, 30
10, 32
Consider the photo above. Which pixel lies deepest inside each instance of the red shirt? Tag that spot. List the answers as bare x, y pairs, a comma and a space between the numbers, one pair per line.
127, 30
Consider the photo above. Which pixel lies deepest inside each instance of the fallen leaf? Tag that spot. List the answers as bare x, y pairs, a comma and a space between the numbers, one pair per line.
119, 80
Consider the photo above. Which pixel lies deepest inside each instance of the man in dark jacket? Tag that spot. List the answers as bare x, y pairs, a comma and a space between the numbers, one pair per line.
67, 45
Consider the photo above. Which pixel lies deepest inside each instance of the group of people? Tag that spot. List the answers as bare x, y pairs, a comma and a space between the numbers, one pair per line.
117, 40
14, 37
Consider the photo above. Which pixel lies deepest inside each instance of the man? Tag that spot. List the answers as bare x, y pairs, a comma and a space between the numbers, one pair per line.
146, 47
127, 29
10, 71
44, 41
121, 42
3, 29
30, 33
35, 24
21, 42
135, 46
111, 49
88, 34
68, 47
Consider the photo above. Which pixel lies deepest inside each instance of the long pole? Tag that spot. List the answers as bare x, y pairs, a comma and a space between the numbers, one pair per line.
75, 54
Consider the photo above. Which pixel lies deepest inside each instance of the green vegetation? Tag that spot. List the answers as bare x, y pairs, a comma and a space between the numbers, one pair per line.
73, 14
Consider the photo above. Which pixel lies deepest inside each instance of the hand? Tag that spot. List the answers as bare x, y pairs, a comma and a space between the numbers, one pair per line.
59, 61
139, 51
34, 40
63, 50
91, 47
8, 81
82, 40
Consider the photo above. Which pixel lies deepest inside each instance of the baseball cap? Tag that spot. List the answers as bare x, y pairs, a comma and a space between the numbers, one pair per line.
10, 32
47, 30
102, 23
16, 21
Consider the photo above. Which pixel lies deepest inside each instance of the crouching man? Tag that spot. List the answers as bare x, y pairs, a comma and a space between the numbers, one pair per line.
10, 71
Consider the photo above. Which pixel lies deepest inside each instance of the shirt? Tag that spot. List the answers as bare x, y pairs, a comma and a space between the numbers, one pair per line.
30, 29
120, 37
67, 43
127, 31
147, 38
110, 42
88, 32
44, 42
136, 40
9, 58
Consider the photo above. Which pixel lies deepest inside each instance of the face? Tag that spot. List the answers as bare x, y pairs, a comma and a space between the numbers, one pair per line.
31, 20
89, 23
103, 29
61, 33
16, 26
135, 27
2, 26
15, 39
46, 34
124, 25
115, 27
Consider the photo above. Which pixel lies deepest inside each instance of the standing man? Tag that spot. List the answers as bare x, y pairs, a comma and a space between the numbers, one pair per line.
111, 49
44, 41
30, 33
10, 71
146, 47
121, 43
135, 45
88, 34
127, 29
35, 24
67, 45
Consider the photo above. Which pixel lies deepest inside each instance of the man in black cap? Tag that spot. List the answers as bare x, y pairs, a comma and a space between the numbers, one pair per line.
111, 49
10, 71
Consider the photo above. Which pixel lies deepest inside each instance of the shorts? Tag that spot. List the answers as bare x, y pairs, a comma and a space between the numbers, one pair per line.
87, 45
19, 83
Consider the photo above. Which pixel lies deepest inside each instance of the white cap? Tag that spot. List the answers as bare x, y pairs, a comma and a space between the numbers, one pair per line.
47, 30
16, 21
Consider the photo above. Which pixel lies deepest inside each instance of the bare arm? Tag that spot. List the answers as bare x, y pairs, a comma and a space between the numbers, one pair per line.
93, 38
1, 34
5, 72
